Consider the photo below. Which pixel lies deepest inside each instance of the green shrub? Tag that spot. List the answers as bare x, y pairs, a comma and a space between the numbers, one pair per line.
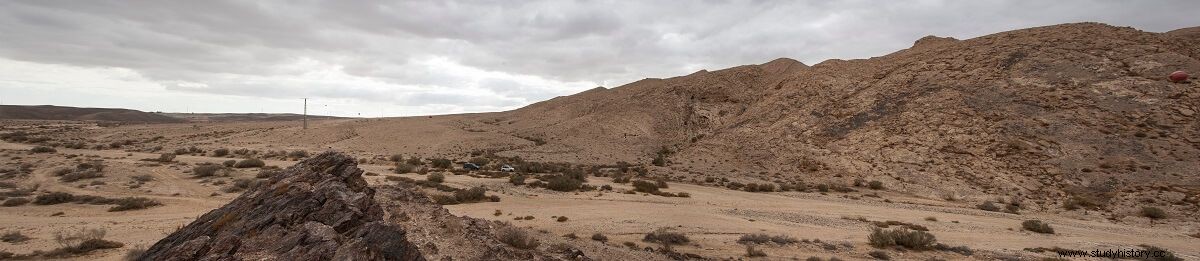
249, 163
436, 177
1153, 213
42, 149
134, 203
903, 237
1037, 226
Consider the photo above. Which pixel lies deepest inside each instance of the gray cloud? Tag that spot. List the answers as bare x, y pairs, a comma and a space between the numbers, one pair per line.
485, 54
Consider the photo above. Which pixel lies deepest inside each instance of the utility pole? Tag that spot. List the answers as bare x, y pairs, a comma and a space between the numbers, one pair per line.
306, 113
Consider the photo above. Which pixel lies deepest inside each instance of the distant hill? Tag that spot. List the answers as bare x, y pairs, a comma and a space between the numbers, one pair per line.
50, 112
235, 117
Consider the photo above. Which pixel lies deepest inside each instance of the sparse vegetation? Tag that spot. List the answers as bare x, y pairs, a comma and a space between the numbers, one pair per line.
166, 157
42, 149
563, 183
879, 254
142, 178
764, 238
14, 237
79, 243
517, 179
222, 152
562, 219
403, 168
13, 202
435, 177
516, 237
207, 170
752, 252
134, 203
229, 163
876, 185
298, 154
54, 198
902, 237
1037, 226
599, 237
1153, 213
666, 237
249, 163
441, 163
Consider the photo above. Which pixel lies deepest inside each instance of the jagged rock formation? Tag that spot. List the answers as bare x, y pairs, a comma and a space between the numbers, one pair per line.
318, 209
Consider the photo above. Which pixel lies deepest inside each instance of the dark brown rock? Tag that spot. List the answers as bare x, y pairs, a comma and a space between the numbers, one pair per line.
318, 209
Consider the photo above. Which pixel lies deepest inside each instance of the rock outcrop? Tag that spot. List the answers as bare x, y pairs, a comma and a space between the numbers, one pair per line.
318, 209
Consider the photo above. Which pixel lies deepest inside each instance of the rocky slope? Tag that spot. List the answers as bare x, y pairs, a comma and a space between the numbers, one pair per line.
1037, 114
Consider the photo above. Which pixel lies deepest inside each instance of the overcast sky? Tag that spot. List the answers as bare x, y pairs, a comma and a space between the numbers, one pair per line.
367, 58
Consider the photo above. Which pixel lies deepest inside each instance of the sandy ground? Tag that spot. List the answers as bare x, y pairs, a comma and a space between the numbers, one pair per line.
713, 218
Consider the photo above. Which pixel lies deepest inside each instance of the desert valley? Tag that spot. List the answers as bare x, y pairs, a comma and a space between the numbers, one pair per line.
1019, 145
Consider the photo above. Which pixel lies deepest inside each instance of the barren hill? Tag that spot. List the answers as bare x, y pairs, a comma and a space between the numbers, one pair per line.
1025, 112
48, 112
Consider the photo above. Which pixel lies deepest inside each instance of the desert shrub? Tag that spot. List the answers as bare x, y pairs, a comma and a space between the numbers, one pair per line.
823, 187
80, 243
134, 253
142, 178
481, 161
876, 185
517, 238
470, 195
14, 237
764, 238
42, 149
206, 170
436, 177
879, 254
403, 168
134, 203
563, 183
1037, 226
620, 179
988, 206
240, 185
562, 219
93, 200
249, 163
606, 187
228, 163
80, 174
441, 163
12, 202
666, 237
645, 186
267, 173
53, 198
903, 237
298, 154
220, 152
415, 161
599, 237
1153, 213
517, 179
441, 199
166, 157
752, 252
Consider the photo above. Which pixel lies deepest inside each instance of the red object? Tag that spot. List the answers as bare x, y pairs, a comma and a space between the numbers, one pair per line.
1179, 76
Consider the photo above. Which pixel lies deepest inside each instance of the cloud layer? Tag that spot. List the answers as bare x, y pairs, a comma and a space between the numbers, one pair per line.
373, 58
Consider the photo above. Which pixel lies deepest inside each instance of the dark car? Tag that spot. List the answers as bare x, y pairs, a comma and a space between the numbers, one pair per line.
470, 166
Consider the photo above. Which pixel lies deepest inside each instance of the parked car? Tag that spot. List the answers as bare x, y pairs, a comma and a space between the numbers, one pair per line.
507, 168
470, 166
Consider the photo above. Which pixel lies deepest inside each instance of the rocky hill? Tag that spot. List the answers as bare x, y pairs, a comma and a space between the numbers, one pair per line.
1036, 114
48, 112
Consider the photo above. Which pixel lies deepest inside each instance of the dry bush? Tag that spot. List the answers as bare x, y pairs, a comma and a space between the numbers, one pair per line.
249, 163
875, 184
903, 237
143, 178
764, 238
402, 168
666, 237
134, 253
516, 237
1037, 226
166, 157
562, 219
220, 152
12, 202
80, 243
752, 252
441, 163
14, 237
298, 154
42, 149
228, 163
435, 177
645, 186
877, 254
134, 203
54, 198
599, 237
563, 183
517, 179
1153, 213
470, 195
206, 170
240, 185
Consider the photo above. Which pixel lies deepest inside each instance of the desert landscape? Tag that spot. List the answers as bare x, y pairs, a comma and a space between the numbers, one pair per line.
1018, 145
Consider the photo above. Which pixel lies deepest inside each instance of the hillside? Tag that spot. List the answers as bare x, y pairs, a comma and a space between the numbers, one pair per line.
239, 117
1034, 114
49, 112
